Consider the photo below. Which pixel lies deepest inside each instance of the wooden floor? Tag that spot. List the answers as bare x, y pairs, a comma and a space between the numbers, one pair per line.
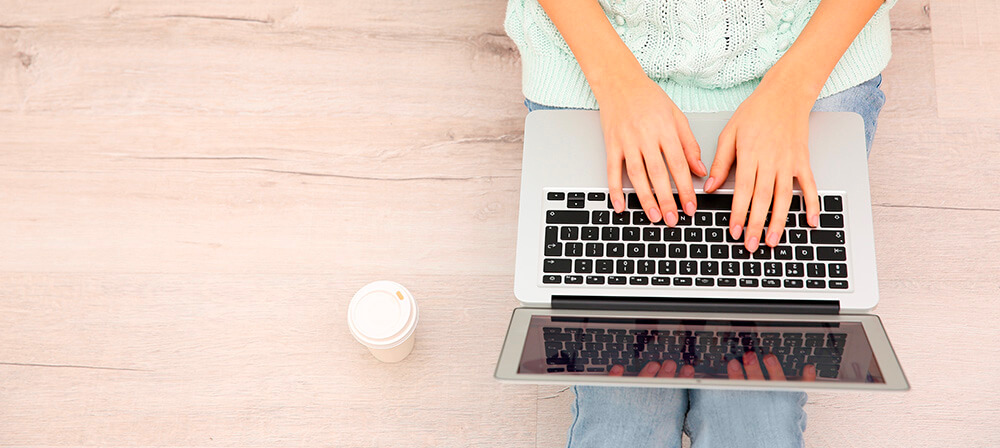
191, 191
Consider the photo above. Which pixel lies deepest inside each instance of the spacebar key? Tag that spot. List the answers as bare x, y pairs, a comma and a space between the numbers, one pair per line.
715, 201
567, 217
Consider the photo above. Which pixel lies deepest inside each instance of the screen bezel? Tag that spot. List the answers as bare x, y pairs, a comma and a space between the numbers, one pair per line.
517, 332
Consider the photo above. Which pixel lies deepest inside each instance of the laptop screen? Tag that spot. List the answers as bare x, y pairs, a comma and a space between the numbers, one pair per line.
691, 348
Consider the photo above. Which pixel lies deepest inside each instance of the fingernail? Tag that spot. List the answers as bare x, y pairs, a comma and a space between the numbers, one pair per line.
671, 219
709, 184
654, 215
813, 220
771, 360
689, 208
616, 369
702, 165
753, 243
617, 203
734, 366
737, 231
809, 367
772, 239
750, 358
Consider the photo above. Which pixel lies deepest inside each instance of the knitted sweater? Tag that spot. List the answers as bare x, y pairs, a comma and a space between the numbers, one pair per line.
708, 55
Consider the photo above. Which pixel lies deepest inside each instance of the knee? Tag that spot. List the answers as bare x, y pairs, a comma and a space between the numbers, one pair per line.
747, 418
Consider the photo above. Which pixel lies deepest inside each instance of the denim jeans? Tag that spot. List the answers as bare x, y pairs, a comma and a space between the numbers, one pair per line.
655, 417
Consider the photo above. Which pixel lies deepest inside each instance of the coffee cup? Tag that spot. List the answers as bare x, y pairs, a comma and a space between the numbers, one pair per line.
383, 316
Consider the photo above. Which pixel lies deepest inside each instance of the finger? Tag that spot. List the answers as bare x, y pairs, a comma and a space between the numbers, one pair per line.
650, 369
681, 173
687, 371
615, 159
636, 169
657, 171
809, 195
746, 176
725, 155
667, 370
692, 151
774, 370
763, 189
779, 211
735, 370
752, 367
616, 370
809, 373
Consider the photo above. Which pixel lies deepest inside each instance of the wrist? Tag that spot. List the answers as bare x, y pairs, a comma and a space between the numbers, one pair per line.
614, 80
796, 81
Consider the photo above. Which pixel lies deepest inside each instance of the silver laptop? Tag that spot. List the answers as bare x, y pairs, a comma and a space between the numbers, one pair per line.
608, 297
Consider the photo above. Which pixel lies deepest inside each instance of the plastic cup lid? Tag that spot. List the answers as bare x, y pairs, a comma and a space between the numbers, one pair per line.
382, 314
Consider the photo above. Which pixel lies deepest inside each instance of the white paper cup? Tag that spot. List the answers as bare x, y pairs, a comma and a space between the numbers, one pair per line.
383, 316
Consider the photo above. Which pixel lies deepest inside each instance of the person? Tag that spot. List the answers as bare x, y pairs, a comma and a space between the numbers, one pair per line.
643, 64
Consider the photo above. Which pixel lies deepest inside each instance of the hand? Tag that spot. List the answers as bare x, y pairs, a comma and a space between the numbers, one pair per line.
654, 369
753, 369
768, 138
643, 127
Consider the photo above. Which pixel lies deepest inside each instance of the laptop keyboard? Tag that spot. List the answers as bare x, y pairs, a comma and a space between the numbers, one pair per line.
587, 244
595, 350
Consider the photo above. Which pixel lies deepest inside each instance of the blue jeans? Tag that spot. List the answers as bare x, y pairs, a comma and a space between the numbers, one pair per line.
655, 417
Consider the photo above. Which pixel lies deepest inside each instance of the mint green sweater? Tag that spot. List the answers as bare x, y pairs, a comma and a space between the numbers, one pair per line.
708, 55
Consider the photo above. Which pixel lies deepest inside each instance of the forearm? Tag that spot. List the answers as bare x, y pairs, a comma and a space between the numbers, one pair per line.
606, 61
806, 66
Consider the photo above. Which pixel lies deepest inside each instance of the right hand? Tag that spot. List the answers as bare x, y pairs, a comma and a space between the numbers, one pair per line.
644, 128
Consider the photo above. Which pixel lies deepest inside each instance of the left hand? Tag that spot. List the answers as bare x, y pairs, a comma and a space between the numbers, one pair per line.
768, 138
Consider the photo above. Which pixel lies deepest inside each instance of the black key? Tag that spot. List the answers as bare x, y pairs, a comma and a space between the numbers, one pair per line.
672, 234
771, 283
575, 203
595, 196
561, 266
604, 266
682, 281
551, 279
699, 251
601, 217
683, 219
553, 249
720, 251
803, 253
625, 267
633, 201
826, 236
730, 239
595, 279
567, 217
793, 283
689, 267
550, 330
715, 235
838, 270
583, 266
651, 234
595, 330
704, 281
725, 281
638, 280
661, 281
631, 234
617, 280
716, 201
620, 218
772, 269
731, 268
722, 219
569, 233
590, 233
740, 252
551, 234
574, 249
594, 250
667, 267
616, 250
748, 282
636, 250
793, 270
556, 196
798, 236
610, 234
702, 219
710, 268
657, 250
575, 195
574, 279
751, 268
677, 251
796, 204
826, 253
762, 253
692, 234
803, 220
833, 204
639, 218
831, 220
646, 267
783, 253
815, 284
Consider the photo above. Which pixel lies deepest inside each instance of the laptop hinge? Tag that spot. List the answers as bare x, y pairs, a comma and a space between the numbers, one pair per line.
681, 304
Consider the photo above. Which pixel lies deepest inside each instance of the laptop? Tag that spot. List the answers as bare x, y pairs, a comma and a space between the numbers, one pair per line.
612, 299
